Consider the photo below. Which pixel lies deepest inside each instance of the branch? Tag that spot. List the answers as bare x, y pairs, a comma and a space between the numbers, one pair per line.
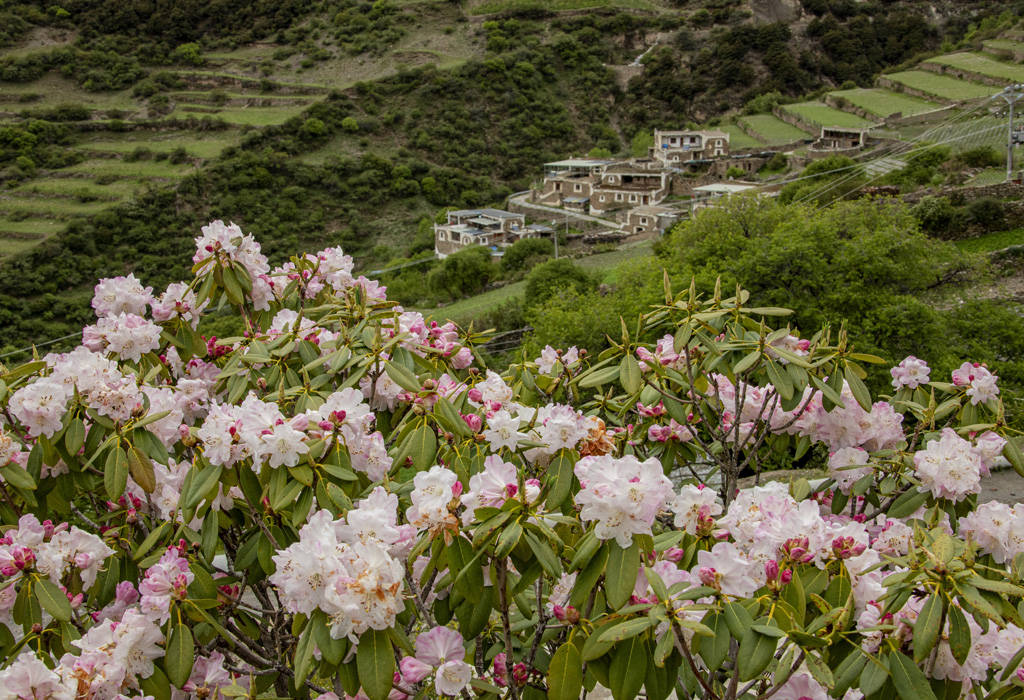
506, 626
684, 649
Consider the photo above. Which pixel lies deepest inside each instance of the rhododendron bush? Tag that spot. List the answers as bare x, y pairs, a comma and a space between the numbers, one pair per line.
345, 501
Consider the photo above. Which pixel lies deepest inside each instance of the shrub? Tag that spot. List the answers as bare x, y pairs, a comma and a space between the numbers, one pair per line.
525, 253
343, 472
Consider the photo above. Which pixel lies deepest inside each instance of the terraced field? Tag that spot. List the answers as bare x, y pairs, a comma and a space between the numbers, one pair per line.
773, 129
982, 65
885, 102
490, 6
944, 86
1004, 45
739, 138
821, 114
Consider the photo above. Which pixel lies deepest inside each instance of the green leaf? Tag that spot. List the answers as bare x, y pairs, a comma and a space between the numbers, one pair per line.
748, 361
376, 663
304, 651
560, 477
547, 558
714, 649
141, 469
1014, 456
926, 629
857, 386
959, 634
74, 436
115, 473
738, 619
821, 672
874, 675
52, 599
629, 374
565, 673
627, 629
403, 377
596, 377
423, 447
180, 654
17, 477
620, 574
909, 680
628, 669
756, 651
907, 503
507, 540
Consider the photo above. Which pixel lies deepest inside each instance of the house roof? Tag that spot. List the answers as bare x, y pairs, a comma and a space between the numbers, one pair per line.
652, 211
539, 227
723, 188
578, 163
495, 213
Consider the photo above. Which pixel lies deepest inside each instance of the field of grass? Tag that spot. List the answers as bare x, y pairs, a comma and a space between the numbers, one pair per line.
466, 309
989, 176
13, 246
76, 187
943, 86
1003, 44
30, 227
821, 114
120, 168
774, 129
200, 146
992, 241
885, 102
982, 65
739, 138
53, 90
47, 207
489, 6
242, 116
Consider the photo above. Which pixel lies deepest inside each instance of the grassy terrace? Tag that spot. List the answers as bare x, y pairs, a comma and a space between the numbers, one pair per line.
982, 65
943, 86
47, 207
203, 146
739, 138
120, 168
489, 6
241, 116
774, 129
992, 241
79, 188
823, 115
1003, 45
885, 102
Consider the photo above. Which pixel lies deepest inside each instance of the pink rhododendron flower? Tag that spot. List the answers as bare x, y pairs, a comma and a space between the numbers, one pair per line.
949, 467
910, 373
622, 495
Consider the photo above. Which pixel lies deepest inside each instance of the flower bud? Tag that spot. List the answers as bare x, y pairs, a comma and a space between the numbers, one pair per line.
674, 554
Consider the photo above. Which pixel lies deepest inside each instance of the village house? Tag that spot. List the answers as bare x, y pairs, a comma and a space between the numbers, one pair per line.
650, 221
494, 228
641, 182
835, 138
569, 183
684, 146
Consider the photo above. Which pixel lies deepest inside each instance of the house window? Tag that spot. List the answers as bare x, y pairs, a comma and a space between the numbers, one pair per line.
577, 187
632, 197
602, 198
558, 187
618, 196
643, 220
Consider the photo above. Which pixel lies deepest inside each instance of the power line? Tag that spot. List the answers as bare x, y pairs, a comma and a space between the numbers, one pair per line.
39, 345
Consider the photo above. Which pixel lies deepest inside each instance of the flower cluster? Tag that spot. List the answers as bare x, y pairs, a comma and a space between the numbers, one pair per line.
623, 495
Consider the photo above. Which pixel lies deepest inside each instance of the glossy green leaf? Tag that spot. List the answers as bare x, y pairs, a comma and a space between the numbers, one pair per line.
910, 681
565, 673
180, 654
52, 599
926, 628
621, 572
376, 664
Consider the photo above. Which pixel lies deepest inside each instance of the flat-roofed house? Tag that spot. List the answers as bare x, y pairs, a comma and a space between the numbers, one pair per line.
684, 146
837, 138
568, 181
649, 221
642, 182
493, 228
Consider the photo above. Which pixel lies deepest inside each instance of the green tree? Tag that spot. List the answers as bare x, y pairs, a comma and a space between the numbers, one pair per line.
556, 278
521, 254
462, 274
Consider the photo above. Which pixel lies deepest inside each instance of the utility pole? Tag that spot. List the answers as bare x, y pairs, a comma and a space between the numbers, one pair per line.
554, 232
1011, 94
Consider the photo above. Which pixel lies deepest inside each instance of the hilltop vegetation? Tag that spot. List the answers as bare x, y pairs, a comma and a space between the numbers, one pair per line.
349, 122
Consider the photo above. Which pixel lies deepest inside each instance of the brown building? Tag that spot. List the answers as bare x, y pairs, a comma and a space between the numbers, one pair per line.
630, 184
566, 182
835, 138
494, 228
683, 146
650, 221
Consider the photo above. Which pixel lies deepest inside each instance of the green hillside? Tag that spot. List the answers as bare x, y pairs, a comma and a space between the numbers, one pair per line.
127, 125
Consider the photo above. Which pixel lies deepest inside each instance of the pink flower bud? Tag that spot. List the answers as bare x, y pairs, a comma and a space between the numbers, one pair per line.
473, 421
674, 554
519, 673
475, 395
